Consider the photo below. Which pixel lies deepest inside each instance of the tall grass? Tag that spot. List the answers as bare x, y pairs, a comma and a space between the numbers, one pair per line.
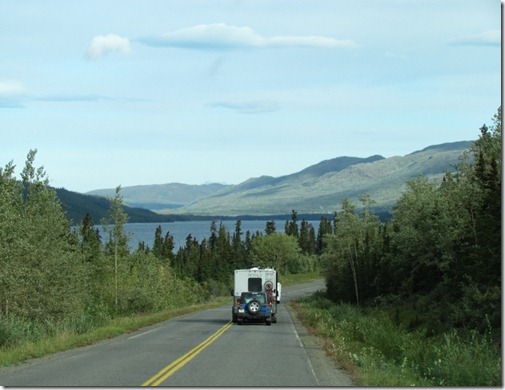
381, 353
291, 279
21, 339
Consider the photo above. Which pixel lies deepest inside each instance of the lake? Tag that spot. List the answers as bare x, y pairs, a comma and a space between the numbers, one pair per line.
198, 229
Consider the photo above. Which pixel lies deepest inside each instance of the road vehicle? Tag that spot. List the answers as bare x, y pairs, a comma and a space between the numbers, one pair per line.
254, 307
256, 280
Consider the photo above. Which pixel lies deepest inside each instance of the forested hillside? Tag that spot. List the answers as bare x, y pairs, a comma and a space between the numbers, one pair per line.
76, 206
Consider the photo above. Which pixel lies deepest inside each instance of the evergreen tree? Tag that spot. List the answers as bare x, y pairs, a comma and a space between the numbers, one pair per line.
247, 250
306, 238
291, 227
270, 227
167, 250
158, 242
91, 247
90, 239
312, 240
213, 236
325, 227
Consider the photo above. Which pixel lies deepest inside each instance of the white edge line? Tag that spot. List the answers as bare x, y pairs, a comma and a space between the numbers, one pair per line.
300, 342
142, 334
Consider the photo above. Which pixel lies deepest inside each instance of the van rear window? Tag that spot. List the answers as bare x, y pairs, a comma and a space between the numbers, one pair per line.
254, 284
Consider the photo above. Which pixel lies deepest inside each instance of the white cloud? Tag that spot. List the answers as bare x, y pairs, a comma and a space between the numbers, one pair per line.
11, 94
223, 36
486, 38
11, 88
105, 44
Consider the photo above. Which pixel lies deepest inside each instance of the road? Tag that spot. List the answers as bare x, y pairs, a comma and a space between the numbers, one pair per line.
199, 349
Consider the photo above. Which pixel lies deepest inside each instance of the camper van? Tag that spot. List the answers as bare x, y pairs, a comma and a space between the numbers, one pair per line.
256, 293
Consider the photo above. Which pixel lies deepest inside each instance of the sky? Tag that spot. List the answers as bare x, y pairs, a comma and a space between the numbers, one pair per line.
136, 92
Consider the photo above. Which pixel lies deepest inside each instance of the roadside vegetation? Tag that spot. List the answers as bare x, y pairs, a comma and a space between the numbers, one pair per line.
65, 286
417, 300
376, 350
407, 301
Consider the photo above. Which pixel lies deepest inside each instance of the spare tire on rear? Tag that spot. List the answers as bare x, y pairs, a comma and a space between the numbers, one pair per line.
254, 307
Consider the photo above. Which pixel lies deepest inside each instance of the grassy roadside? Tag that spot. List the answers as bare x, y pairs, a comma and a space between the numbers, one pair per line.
377, 352
288, 280
65, 340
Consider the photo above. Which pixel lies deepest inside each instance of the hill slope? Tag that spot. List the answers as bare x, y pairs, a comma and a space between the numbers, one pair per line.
76, 206
322, 187
161, 196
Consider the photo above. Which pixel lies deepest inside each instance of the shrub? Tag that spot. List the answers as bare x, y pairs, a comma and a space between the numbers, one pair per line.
386, 354
14, 330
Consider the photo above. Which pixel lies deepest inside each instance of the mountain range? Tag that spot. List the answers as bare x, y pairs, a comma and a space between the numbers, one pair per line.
317, 189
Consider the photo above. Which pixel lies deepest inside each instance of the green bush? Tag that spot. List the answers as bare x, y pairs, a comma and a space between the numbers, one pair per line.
386, 354
14, 330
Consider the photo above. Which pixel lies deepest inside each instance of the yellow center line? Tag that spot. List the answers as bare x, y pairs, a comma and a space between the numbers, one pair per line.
161, 376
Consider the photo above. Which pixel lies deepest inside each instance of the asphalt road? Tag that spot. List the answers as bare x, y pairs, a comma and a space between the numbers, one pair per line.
199, 349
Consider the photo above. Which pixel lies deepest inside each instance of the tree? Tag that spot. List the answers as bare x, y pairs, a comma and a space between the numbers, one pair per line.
158, 242
270, 227
42, 271
307, 239
325, 227
238, 249
213, 236
275, 250
118, 238
90, 239
291, 227
350, 255
167, 250
91, 247
11, 234
421, 238
344, 244
442, 249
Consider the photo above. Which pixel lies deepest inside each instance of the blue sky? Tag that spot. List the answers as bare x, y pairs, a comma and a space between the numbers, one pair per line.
132, 92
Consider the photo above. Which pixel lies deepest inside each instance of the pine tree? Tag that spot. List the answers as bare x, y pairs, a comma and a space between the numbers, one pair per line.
167, 250
270, 227
158, 242
291, 227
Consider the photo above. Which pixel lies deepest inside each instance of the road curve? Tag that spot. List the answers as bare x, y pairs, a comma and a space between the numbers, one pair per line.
199, 349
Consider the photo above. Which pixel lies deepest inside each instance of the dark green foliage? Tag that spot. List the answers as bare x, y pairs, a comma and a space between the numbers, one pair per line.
270, 228
388, 354
291, 227
212, 261
440, 253
307, 238
325, 227
77, 205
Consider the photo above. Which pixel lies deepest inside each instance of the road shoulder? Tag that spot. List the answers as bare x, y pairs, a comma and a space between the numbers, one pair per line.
326, 371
